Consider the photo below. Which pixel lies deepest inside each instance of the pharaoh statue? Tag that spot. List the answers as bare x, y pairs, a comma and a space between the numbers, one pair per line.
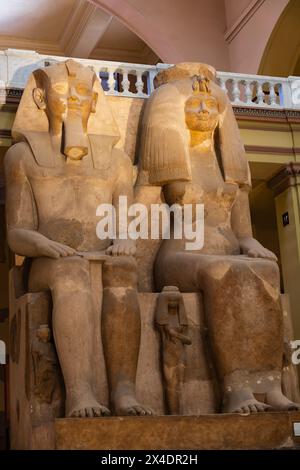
191, 148
63, 165
172, 322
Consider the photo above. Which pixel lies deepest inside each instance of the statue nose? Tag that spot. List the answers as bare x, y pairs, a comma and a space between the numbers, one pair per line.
203, 108
73, 98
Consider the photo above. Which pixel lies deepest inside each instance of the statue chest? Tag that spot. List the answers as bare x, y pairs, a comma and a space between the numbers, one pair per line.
208, 186
69, 195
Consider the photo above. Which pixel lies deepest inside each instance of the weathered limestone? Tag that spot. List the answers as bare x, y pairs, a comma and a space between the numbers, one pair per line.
172, 322
62, 167
211, 432
191, 147
87, 326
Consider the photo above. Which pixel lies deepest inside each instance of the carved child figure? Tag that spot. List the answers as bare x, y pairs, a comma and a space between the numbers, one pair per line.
45, 365
171, 320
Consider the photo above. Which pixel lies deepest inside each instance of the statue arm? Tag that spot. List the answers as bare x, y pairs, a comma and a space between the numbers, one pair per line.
241, 226
21, 215
123, 187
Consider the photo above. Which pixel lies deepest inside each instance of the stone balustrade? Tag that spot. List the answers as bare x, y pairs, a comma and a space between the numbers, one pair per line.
138, 80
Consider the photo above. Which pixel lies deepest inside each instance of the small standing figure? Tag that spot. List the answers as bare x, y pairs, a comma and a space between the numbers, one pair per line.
171, 320
45, 364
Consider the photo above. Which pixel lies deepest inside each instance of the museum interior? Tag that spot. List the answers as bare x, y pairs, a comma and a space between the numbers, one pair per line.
254, 45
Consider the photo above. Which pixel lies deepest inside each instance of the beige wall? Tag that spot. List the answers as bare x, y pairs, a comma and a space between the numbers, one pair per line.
234, 9
196, 30
247, 47
282, 52
176, 30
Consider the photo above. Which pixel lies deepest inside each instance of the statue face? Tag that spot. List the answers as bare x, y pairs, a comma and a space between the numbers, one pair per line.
201, 112
66, 96
68, 99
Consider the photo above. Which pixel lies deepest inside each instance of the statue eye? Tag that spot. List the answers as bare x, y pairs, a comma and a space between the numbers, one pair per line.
82, 89
211, 104
60, 88
193, 104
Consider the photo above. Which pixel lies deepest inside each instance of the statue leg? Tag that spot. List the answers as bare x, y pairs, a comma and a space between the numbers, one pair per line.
173, 371
245, 322
244, 318
121, 329
73, 318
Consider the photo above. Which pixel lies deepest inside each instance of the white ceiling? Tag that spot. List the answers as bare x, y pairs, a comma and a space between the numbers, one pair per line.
69, 27
42, 19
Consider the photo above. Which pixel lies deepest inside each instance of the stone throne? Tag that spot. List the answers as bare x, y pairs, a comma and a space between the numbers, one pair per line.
36, 386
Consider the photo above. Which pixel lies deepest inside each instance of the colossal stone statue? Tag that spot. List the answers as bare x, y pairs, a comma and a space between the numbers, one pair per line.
62, 166
190, 146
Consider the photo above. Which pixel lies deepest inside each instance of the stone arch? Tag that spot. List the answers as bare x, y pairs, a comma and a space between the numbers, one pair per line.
175, 31
282, 53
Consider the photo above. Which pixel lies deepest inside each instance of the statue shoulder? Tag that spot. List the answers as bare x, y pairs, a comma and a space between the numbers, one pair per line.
120, 159
17, 155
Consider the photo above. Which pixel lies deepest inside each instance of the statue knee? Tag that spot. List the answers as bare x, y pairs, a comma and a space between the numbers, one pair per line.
70, 275
120, 271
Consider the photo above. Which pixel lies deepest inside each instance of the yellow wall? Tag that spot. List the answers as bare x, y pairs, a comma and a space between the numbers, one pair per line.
289, 239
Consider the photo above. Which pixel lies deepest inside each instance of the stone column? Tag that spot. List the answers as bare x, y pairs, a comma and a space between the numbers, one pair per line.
286, 186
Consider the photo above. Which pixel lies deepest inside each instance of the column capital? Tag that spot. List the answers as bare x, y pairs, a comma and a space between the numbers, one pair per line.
286, 177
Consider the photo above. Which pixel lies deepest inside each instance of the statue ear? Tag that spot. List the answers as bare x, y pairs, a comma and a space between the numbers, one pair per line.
94, 102
39, 98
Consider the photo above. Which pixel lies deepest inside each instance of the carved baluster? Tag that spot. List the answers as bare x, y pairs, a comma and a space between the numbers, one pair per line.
139, 84
98, 71
260, 94
236, 91
223, 84
125, 82
273, 95
111, 80
248, 93
150, 81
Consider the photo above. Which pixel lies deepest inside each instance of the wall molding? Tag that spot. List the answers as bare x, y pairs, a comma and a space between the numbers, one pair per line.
43, 47
286, 177
76, 24
243, 19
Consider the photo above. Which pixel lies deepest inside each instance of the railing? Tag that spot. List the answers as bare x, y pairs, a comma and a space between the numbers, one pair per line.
137, 80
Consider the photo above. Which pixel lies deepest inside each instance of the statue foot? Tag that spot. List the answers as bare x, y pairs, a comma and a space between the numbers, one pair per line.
129, 406
243, 401
279, 402
86, 408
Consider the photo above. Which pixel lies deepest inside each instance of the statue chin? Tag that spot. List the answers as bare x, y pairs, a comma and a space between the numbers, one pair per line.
76, 152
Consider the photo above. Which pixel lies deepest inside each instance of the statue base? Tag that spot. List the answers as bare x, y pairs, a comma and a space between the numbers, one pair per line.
211, 432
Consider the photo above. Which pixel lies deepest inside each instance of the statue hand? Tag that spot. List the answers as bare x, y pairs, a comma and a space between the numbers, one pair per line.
253, 249
122, 248
52, 249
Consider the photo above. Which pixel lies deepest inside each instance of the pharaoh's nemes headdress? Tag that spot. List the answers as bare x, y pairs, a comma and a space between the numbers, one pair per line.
31, 123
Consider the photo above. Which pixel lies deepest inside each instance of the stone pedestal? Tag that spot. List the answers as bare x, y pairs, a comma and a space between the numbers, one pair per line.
260, 431
37, 392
